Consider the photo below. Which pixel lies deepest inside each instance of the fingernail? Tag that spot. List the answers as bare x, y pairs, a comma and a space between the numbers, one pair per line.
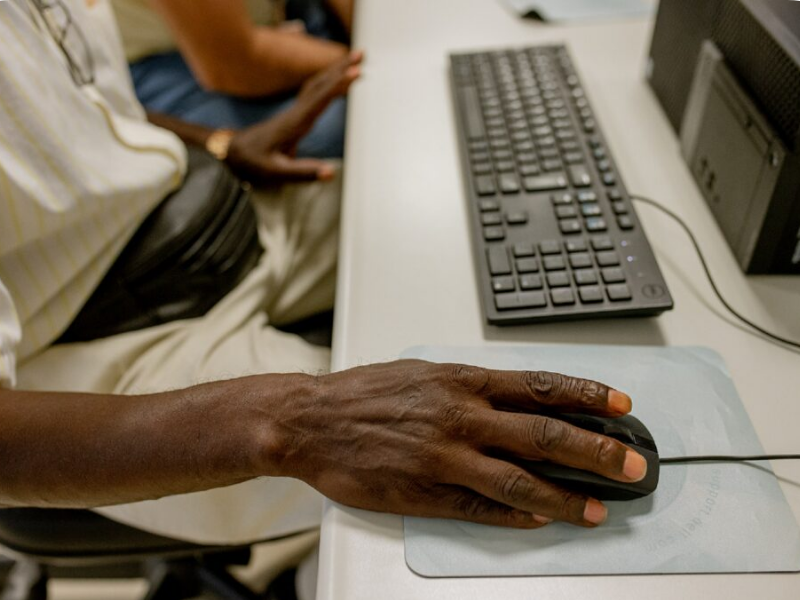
542, 520
619, 402
594, 512
635, 467
326, 172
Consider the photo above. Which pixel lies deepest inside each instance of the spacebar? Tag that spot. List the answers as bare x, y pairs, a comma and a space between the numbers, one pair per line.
542, 183
470, 104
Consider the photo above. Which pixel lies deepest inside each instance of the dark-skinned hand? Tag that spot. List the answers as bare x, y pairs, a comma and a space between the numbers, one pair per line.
265, 153
423, 439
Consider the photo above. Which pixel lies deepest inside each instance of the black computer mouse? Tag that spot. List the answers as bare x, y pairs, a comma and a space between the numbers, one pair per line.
628, 430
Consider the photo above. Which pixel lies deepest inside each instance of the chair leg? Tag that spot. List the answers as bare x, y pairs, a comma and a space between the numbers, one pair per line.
217, 581
170, 581
26, 581
5, 568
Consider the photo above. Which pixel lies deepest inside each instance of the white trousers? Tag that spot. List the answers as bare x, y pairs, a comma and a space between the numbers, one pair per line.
295, 279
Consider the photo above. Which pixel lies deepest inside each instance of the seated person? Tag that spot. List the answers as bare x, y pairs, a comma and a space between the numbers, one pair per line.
234, 63
223, 429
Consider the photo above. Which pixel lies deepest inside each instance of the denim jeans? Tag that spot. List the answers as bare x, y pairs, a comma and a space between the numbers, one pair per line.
164, 83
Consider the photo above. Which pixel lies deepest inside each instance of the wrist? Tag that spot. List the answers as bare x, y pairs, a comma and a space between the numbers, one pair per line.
278, 415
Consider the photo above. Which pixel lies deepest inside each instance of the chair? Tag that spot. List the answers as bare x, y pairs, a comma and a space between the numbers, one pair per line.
51, 543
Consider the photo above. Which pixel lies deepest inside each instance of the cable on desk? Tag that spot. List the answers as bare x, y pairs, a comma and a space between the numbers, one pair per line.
771, 337
722, 458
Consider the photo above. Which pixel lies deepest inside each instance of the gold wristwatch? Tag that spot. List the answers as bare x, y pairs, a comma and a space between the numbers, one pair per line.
218, 143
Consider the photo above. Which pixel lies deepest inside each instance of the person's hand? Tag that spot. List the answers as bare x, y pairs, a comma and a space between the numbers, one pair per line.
423, 439
265, 153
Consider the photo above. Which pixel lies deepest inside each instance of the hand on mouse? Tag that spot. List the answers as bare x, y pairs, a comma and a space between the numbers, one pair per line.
424, 439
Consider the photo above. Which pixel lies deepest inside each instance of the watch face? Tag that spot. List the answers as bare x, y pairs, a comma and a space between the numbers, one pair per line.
219, 142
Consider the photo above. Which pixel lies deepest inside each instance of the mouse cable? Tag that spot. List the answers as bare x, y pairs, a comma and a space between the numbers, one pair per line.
721, 458
771, 337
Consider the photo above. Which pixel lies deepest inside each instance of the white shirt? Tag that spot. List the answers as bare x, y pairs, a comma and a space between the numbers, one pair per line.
80, 168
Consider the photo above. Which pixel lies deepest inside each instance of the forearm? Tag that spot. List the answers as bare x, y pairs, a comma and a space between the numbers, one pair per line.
278, 61
81, 450
191, 133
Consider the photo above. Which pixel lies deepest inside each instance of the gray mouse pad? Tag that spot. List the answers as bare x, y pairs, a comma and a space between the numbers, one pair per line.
703, 518
581, 10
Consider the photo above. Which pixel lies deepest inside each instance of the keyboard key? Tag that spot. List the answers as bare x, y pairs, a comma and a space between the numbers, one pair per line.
591, 294
570, 146
562, 297
527, 265
558, 279
573, 157
503, 284
562, 199
607, 259
580, 261
544, 183
509, 183
526, 146
554, 263
549, 247
585, 277
580, 177
576, 245
596, 224
625, 222
619, 208
602, 243
488, 205
609, 179
530, 282
519, 217
482, 169
494, 234
470, 104
523, 250
479, 146
603, 166
502, 155
551, 165
613, 275
499, 263
506, 301
529, 170
570, 226
492, 218
484, 185
619, 293
584, 197
505, 166
591, 210
614, 194
532, 300
566, 212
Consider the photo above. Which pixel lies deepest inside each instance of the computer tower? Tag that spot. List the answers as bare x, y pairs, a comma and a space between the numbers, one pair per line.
727, 74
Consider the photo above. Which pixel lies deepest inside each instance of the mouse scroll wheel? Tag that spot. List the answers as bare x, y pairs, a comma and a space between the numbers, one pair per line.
623, 434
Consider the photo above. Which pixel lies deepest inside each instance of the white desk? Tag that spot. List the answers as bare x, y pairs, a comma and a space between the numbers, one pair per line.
407, 277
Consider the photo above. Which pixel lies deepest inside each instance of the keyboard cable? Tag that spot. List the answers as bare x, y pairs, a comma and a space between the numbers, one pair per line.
770, 337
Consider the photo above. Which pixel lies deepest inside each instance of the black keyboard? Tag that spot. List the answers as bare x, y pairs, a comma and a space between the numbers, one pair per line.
555, 235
